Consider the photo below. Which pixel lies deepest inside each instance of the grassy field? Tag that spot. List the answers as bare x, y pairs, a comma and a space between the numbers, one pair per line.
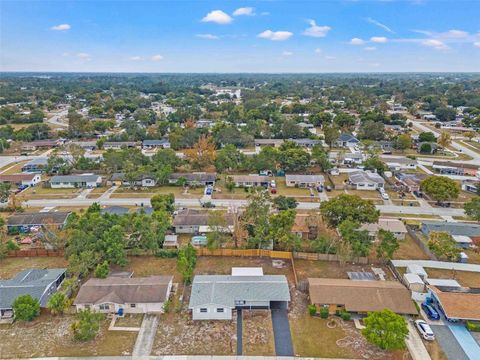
409, 250
10, 266
13, 168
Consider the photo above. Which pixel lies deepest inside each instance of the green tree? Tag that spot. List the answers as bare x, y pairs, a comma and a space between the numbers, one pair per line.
403, 142
186, 262
472, 208
86, 325
348, 207
443, 245
387, 245
102, 270
359, 241
376, 164
165, 202
282, 202
320, 156
26, 308
331, 134
57, 303
385, 329
440, 188
426, 148
218, 233
4, 192
427, 136
256, 218
280, 230
229, 158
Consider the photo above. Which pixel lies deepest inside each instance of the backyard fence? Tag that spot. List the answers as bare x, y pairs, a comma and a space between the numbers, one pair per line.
327, 257
35, 252
245, 252
419, 242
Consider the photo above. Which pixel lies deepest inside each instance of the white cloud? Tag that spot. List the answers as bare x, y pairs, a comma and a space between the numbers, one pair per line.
207, 36
275, 35
379, 24
328, 57
218, 16
379, 39
434, 43
454, 34
157, 57
357, 41
136, 58
244, 11
84, 56
370, 48
477, 44
287, 53
318, 51
61, 27
316, 31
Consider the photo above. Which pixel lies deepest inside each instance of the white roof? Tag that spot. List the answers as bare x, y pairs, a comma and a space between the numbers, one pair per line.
413, 278
247, 271
462, 239
416, 269
443, 282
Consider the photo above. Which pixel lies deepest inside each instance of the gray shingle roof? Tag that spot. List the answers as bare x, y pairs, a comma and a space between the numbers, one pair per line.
365, 177
74, 178
453, 228
38, 218
224, 290
32, 281
304, 178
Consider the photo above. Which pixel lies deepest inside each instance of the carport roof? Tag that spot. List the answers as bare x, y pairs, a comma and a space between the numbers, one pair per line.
224, 290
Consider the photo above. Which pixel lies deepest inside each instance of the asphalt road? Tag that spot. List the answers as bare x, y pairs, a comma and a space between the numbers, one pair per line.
448, 343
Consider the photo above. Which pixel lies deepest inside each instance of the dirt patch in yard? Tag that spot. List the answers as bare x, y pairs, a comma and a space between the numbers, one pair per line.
10, 266
178, 334
151, 265
51, 336
129, 320
409, 250
258, 336
465, 278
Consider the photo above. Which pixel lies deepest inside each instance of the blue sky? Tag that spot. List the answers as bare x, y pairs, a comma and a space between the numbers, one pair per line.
240, 36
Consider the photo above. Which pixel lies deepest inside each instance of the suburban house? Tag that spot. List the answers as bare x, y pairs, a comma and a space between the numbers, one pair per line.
457, 303
465, 229
397, 227
304, 180
305, 143
399, 164
192, 221
470, 186
214, 297
36, 165
366, 180
115, 210
41, 144
26, 221
452, 168
347, 140
305, 226
155, 144
75, 181
195, 178
86, 144
251, 180
39, 283
25, 179
142, 181
117, 145
360, 296
125, 294
342, 158
411, 181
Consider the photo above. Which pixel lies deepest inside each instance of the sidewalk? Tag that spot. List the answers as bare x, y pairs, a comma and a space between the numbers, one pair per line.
415, 344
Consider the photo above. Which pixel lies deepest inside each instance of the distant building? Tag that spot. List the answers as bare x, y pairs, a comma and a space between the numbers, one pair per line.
117, 145
307, 181
397, 227
28, 179
347, 140
190, 221
24, 222
453, 168
75, 181
155, 144
36, 165
199, 178
251, 180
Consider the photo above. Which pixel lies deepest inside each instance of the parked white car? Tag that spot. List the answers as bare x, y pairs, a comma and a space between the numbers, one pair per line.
425, 330
385, 196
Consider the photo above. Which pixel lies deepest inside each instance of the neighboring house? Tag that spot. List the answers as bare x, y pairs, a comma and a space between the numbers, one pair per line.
349, 158
75, 181
38, 283
26, 221
305, 143
359, 296
125, 295
251, 180
366, 180
347, 140
36, 165
117, 145
114, 210
452, 168
189, 221
399, 164
142, 181
28, 179
429, 117
196, 178
457, 304
305, 227
41, 144
411, 181
87, 145
465, 229
470, 186
397, 227
304, 180
155, 144
214, 297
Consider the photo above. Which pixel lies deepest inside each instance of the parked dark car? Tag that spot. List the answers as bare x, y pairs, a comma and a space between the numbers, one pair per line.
320, 188
431, 311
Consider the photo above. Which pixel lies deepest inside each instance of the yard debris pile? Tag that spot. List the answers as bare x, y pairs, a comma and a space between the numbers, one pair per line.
179, 335
258, 333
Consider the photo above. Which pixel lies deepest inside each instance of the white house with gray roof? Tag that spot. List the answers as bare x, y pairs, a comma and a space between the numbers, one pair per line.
38, 283
75, 181
304, 180
366, 180
214, 297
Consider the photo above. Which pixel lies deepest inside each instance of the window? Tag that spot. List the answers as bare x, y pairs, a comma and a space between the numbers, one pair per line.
133, 305
86, 307
203, 310
220, 310
104, 307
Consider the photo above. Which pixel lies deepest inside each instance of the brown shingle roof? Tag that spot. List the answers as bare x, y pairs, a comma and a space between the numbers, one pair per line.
17, 177
459, 305
362, 296
196, 218
153, 289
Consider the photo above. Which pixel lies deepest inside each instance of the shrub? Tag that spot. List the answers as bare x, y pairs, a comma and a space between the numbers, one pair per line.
102, 270
345, 315
312, 309
26, 308
57, 303
324, 313
11, 246
165, 254
473, 326
86, 325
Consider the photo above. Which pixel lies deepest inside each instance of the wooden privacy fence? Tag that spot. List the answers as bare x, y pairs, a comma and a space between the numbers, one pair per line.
245, 252
35, 252
327, 257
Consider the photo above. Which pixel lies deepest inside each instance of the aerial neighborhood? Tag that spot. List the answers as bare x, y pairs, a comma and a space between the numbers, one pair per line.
257, 215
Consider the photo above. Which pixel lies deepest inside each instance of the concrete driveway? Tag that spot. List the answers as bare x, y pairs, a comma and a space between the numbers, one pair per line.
146, 336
